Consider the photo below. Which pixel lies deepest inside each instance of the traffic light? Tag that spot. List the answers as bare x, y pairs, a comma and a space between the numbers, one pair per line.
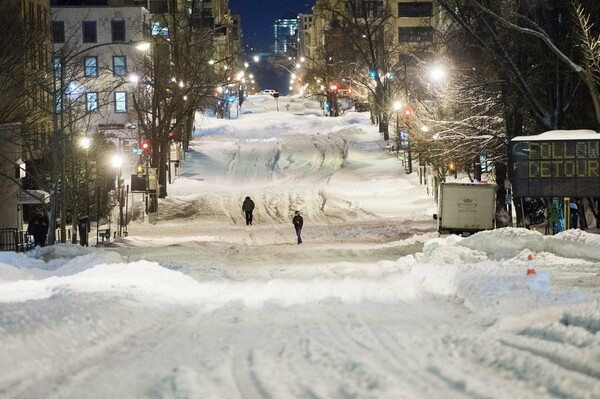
145, 146
334, 87
408, 113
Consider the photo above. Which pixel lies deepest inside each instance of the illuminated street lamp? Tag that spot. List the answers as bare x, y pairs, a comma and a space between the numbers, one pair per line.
142, 45
437, 73
117, 161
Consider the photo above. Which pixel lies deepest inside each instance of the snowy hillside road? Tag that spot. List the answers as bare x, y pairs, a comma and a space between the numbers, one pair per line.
374, 304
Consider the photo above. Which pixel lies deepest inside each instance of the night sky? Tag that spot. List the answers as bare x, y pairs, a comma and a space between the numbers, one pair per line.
258, 17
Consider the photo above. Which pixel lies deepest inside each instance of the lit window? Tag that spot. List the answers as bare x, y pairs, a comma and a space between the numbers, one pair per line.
119, 65
57, 67
120, 101
91, 101
416, 34
90, 67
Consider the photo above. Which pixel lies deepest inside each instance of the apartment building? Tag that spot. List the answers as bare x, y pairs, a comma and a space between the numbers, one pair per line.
25, 107
305, 24
284, 28
95, 59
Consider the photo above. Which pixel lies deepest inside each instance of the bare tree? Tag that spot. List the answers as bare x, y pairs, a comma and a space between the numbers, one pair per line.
179, 78
587, 69
364, 28
520, 82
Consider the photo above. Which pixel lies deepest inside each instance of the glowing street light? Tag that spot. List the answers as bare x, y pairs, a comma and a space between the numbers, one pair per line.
437, 73
142, 46
116, 161
85, 142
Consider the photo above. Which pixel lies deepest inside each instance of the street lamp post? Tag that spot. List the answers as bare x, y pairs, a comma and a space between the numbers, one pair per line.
397, 107
117, 162
85, 144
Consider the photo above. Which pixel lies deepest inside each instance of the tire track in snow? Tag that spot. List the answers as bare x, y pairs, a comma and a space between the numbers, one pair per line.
392, 353
514, 369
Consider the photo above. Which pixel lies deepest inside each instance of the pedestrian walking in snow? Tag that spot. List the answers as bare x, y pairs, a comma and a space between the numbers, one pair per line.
247, 208
39, 230
298, 222
574, 213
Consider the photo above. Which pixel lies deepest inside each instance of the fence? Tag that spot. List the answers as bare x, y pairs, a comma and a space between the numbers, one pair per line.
15, 240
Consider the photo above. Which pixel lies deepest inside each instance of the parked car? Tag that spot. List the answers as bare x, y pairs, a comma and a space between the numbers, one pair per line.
361, 107
268, 91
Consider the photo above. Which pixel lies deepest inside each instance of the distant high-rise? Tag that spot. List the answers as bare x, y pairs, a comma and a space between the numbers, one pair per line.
284, 28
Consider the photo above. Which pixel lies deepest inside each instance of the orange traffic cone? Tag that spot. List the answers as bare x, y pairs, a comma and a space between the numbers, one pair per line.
530, 265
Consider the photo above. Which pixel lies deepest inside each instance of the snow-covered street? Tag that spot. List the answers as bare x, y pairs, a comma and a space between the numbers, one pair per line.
373, 304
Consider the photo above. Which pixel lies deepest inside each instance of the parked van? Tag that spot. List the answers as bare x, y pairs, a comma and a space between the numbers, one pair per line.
466, 208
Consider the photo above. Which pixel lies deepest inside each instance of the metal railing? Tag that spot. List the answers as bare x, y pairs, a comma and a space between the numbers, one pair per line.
15, 240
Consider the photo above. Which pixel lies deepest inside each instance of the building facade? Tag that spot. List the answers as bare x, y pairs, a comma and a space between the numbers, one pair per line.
283, 29
95, 62
25, 106
305, 24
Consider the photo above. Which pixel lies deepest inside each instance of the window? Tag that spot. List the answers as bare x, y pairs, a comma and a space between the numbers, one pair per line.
415, 9
90, 67
58, 102
57, 67
120, 101
119, 65
58, 31
89, 31
371, 9
118, 31
159, 30
91, 101
416, 34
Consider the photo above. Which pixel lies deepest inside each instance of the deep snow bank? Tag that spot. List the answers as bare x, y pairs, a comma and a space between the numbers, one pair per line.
480, 270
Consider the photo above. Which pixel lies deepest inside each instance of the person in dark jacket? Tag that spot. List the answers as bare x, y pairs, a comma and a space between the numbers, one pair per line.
298, 222
247, 208
574, 213
40, 230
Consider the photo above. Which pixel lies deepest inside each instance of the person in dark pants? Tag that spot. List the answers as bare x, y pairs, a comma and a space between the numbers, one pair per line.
298, 222
574, 212
40, 230
247, 208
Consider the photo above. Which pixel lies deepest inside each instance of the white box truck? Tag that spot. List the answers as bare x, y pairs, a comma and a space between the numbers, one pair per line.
466, 208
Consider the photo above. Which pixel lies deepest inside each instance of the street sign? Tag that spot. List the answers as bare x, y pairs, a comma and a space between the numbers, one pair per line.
556, 165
